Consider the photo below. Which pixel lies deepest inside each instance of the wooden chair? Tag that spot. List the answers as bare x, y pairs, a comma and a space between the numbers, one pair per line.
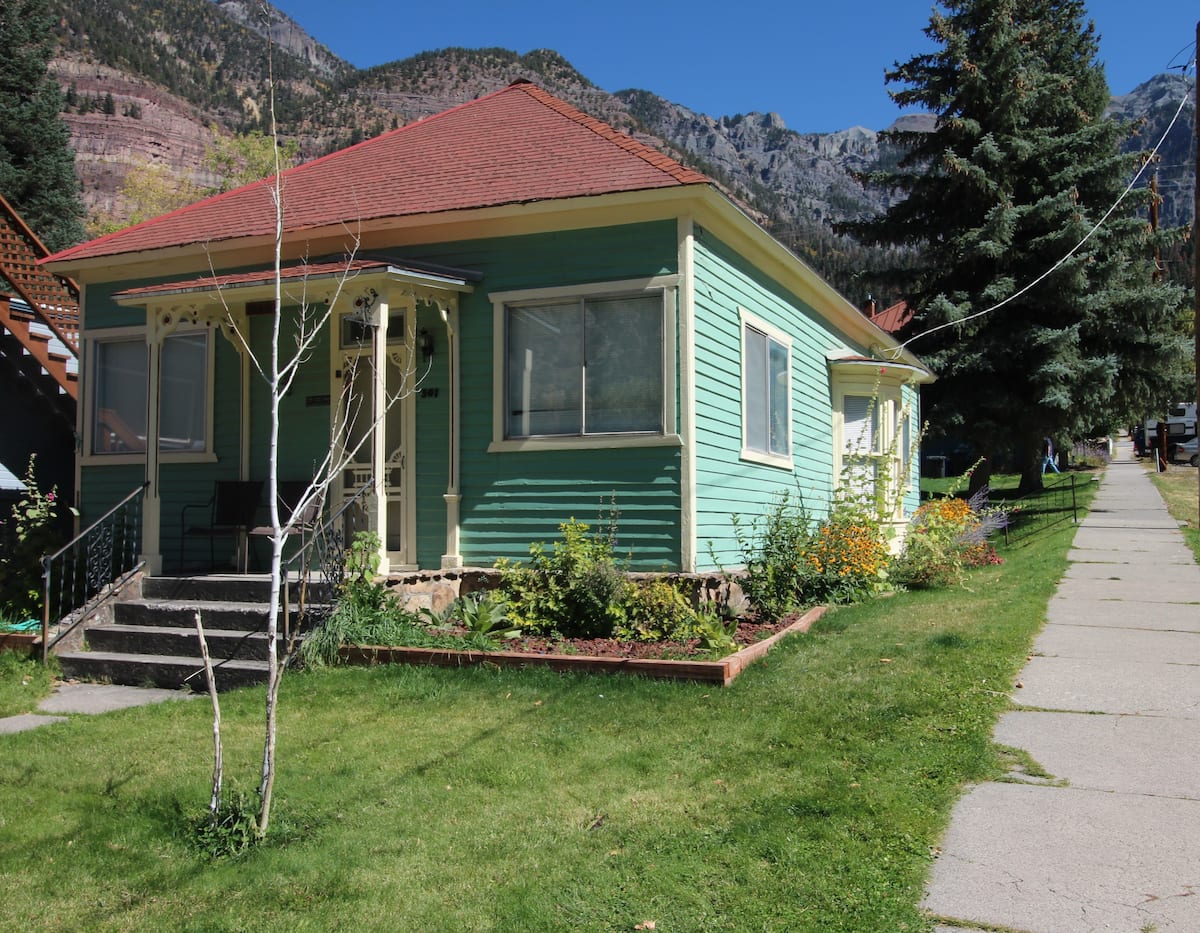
231, 511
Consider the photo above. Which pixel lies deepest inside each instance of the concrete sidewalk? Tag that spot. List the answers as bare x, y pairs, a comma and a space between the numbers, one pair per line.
1111, 708
90, 699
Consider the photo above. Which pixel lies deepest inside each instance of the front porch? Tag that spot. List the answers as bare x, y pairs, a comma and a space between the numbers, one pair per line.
316, 383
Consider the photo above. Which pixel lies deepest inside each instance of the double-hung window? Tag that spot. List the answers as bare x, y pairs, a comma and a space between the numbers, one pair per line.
584, 364
117, 415
766, 393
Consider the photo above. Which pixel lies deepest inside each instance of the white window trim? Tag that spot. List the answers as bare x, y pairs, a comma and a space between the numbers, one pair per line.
764, 458
90, 340
668, 285
890, 414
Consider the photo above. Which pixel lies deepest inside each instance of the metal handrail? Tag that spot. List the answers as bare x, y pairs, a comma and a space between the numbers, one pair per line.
98, 539
329, 538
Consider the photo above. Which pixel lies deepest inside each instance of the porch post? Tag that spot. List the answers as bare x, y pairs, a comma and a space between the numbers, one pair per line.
453, 556
379, 406
152, 505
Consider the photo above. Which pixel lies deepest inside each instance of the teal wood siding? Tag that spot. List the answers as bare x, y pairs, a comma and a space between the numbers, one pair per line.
304, 430
512, 499
304, 413
432, 412
726, 484
188, 483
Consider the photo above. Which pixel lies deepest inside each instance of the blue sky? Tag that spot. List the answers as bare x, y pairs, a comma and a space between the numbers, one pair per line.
819, 65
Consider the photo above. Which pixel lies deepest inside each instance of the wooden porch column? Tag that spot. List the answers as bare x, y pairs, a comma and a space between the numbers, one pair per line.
453, 556
379, 400
152, 504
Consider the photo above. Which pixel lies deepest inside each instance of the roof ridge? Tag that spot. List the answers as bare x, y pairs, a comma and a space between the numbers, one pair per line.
647, 154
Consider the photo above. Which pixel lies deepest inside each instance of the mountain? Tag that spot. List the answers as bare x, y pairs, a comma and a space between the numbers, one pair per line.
149, 81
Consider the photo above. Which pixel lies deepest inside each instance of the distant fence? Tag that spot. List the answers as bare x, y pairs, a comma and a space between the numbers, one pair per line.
1039, 511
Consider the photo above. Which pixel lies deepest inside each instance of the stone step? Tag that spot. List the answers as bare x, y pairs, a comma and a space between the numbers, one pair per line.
169, 671
244, 617
235, 588
163, 640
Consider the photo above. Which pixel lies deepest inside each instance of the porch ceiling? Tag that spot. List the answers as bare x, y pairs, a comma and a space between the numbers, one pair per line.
320, 280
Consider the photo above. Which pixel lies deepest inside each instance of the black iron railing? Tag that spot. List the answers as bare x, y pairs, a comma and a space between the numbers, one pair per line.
78, 577
1039, 511
325, 554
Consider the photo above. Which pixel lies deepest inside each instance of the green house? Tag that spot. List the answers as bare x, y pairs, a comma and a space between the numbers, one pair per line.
516, 315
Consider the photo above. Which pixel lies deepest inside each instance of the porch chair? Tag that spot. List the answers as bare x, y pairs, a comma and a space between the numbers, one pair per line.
231, 511
306, 521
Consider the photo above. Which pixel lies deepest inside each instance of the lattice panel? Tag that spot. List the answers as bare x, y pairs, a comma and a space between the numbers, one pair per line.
55, 297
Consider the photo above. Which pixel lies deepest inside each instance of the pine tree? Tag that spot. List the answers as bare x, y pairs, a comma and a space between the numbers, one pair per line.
1021, 166
37, 166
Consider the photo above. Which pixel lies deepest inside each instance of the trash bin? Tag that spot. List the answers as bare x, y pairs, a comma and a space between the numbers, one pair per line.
935, 467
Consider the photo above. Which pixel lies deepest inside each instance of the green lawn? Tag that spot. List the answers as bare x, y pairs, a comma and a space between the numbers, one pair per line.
806, 796
23, 683
1179, 489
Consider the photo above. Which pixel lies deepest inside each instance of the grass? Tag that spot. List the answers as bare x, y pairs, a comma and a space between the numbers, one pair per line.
805, 797
23, 683
1181, 492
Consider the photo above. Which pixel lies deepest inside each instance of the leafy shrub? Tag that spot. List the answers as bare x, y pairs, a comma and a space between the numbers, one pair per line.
716, 635
576, 590
790, 562
848, 558
232, 830
657, 611
933, 555
28, 534
484, 614
945, 537
771, 548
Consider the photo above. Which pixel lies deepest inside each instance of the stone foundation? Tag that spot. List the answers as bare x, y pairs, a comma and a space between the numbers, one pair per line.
437, 589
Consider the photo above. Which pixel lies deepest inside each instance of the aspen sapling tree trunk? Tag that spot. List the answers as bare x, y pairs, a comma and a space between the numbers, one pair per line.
299, 333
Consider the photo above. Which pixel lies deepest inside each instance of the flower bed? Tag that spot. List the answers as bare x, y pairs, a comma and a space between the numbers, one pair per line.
603, 655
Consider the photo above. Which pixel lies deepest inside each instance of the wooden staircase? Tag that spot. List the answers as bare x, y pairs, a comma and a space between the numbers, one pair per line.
39, 314
153, 641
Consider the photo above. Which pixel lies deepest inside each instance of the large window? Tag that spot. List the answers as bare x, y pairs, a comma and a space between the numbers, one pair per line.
583, 366
118, 410
766, 393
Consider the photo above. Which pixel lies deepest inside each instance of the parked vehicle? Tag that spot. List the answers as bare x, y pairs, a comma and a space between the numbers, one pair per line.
1189, 451
1180, 426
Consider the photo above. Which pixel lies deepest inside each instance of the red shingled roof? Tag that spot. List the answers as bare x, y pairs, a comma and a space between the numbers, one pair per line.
516, 145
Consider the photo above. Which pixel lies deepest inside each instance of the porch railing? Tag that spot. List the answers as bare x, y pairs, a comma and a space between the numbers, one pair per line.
325, 552
78, 577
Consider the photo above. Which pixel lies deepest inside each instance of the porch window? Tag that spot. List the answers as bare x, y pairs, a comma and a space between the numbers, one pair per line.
860, 437
766, 394
875, 443
583, 366
118, 411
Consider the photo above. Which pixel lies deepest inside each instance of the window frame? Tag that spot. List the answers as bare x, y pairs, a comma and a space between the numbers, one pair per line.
92, 341
665, 287
767, 457
891, 422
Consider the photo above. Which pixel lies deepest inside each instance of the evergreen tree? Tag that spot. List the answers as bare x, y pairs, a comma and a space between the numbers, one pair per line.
37, 165
1021, 166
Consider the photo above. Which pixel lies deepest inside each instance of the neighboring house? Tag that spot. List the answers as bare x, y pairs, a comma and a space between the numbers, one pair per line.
39, 368
600, 327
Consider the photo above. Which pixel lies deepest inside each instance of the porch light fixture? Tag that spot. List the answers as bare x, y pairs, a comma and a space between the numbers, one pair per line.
425, 341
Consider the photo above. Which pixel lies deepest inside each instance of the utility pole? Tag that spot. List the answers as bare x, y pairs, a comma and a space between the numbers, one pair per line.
1196, 231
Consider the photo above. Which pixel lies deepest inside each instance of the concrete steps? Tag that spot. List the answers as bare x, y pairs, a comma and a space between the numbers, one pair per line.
153, 641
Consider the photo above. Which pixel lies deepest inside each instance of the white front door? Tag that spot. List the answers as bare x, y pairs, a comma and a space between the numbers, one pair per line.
376, 418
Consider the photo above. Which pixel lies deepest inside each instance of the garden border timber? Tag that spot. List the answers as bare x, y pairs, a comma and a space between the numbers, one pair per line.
720, 672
